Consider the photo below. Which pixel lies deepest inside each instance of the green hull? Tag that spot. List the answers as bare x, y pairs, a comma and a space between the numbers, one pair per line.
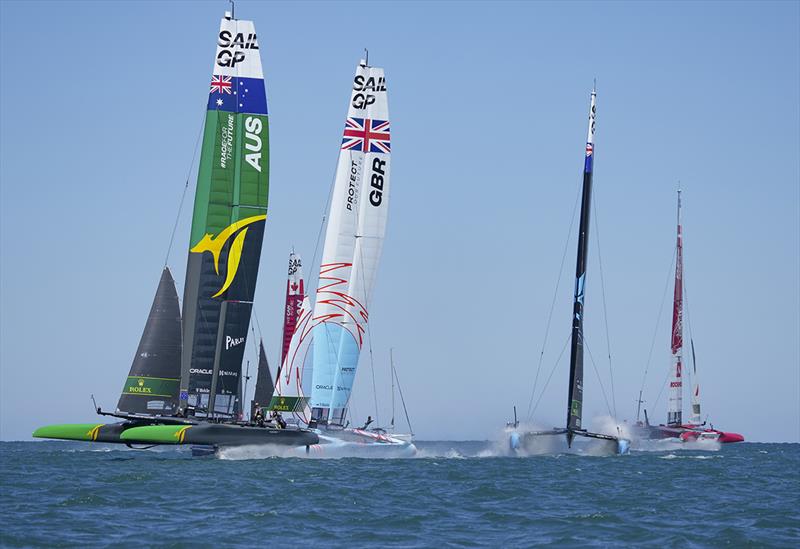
89, 432
219, 434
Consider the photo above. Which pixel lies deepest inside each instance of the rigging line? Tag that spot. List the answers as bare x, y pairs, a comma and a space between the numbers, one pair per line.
600, 381
553, 303
369, 336
658, 322
403, 400
552, 371
391, 375
185, 188
663, 384
605, 308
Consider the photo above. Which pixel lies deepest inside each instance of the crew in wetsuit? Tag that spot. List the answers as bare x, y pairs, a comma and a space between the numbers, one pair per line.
278, 418
258, 417
368, 423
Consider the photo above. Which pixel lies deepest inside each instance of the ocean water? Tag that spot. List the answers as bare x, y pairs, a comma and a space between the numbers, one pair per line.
457, 494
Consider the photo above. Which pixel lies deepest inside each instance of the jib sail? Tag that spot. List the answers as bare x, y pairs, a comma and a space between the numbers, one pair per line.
152, 384
353, 244
264, 385
227, 226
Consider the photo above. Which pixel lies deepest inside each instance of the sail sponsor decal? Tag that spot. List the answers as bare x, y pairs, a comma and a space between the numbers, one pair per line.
151, 386
233, 341
280, 403
233, 47
208, 372
214, 244
366, 88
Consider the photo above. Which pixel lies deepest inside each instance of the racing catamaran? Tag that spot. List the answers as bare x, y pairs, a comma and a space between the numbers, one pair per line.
337, 324
184, 386
695, 428
527, 440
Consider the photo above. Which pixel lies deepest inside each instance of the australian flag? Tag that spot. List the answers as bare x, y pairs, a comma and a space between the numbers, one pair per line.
366, 135
237, 94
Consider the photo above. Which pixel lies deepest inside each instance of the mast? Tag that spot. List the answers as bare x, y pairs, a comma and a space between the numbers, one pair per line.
227, 225
674, 412
575, 397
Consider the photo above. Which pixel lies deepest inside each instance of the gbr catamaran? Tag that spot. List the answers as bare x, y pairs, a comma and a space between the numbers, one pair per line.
184, 386
525, 440
330, 335
675, 428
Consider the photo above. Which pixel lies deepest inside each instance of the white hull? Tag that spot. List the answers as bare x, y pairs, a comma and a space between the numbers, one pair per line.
359, 443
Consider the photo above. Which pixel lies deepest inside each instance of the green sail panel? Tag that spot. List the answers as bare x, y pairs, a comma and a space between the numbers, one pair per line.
152, 383
228, 223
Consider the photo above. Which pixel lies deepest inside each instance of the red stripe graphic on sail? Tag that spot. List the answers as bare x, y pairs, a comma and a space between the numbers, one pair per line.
327, 294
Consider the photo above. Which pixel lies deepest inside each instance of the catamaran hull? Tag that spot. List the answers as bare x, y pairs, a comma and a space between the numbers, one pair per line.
220, 435
551, 442
686, 433
110, 433
146, 433
359, 443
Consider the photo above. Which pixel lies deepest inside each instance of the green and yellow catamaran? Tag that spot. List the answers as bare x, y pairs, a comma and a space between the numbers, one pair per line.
185, 383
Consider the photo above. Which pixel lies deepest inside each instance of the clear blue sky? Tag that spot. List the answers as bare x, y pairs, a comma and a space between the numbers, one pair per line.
100, 107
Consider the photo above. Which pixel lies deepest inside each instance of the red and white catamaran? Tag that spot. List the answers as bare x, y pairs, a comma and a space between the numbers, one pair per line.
695, 428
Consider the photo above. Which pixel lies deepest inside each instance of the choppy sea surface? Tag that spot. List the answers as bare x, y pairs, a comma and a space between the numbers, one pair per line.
458, 494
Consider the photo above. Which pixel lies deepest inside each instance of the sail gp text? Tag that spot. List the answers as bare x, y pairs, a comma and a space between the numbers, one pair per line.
363, 86
231, 53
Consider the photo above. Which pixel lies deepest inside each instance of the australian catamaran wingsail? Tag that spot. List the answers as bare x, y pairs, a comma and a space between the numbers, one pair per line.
337, 324
525, 440
695, 428
184, 386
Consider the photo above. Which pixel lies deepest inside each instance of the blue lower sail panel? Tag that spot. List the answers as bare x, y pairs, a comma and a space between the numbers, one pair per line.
336, 355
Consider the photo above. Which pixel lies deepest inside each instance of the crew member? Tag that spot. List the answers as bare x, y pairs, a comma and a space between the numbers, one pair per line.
368, 423
276, 415
258, 416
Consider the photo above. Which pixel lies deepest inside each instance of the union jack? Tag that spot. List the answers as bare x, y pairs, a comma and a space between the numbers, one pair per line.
220, 84
366, 135
589, 149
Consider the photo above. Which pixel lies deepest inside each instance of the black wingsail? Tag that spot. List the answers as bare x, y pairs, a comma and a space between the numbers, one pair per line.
264, 385
152, 384
575, 398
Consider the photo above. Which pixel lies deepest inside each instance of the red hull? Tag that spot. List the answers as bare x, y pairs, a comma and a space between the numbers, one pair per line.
721, 436
689, 432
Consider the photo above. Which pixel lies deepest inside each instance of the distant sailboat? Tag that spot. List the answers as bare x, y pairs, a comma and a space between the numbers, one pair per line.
521, 439
337, 323
695, 428
185, 383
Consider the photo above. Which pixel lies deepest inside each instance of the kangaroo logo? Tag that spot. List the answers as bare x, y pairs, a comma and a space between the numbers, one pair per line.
214, 244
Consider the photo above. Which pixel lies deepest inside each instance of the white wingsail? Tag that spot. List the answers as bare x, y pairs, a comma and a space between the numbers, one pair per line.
353, 244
